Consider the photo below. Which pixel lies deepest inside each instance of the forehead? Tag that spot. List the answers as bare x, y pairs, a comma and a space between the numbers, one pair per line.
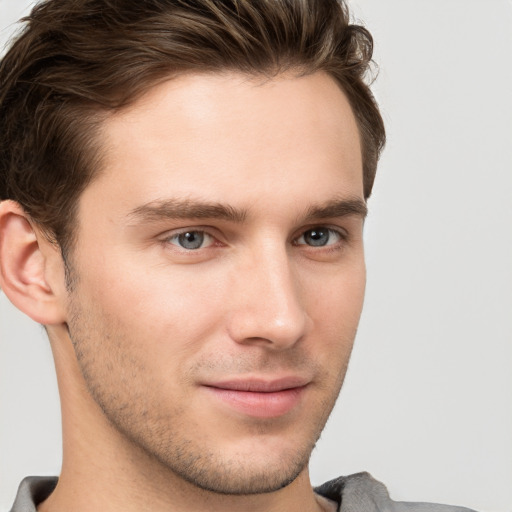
233, 138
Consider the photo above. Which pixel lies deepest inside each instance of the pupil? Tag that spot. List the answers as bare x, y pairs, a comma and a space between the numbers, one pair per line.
191, 239
317, 237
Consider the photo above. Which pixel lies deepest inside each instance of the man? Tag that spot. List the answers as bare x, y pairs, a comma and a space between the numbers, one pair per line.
183, 188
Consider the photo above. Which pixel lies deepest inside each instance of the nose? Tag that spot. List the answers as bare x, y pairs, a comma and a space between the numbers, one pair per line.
266, 307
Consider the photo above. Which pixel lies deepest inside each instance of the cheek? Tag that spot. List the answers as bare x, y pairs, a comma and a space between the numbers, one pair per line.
163, 308
178, 309
335, 309
338, 301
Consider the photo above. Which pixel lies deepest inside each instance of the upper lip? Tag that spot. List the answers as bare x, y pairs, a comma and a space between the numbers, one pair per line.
259, 385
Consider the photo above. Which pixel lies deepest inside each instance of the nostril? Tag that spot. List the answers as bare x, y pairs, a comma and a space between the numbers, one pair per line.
269, 328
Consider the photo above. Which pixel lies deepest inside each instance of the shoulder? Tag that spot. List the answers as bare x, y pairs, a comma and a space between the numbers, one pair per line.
362, 493
32, 491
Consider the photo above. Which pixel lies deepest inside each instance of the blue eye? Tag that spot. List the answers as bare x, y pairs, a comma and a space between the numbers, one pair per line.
191, 240
319, 237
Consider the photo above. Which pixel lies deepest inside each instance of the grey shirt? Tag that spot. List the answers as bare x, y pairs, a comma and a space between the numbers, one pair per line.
354, 493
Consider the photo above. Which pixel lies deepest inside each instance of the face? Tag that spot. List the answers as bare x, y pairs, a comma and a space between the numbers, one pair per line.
218, 275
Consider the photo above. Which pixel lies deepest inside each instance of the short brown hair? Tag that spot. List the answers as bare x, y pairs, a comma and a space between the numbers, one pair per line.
77, 61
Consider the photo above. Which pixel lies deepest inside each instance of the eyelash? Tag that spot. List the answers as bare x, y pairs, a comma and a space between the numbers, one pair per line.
341, 234
174, 236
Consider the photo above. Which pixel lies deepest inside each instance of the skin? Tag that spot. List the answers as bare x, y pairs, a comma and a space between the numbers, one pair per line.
147, 331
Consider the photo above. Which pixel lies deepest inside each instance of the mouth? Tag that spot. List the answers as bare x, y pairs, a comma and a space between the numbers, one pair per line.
259, 398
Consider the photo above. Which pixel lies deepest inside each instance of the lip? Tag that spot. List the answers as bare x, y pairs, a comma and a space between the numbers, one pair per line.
259, 398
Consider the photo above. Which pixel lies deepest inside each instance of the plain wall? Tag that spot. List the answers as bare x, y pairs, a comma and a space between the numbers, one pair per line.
427, 404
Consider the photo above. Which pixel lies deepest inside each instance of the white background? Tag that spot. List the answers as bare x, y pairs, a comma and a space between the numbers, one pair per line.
427, 405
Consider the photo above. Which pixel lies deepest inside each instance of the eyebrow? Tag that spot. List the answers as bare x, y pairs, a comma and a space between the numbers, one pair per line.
186, 209
338, 208
158, 210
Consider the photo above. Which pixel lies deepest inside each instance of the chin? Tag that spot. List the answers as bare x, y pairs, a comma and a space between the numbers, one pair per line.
243, 477
245, 467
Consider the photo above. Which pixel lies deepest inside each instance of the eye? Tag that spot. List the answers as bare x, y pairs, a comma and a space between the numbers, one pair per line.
320, 237
191, 240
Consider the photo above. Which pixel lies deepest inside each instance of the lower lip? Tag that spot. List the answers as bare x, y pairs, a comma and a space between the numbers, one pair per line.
259, 405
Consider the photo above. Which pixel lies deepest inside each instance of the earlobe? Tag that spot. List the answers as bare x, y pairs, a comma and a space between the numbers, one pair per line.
24, 267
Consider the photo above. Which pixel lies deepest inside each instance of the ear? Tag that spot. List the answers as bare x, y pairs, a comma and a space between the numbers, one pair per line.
31, 267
